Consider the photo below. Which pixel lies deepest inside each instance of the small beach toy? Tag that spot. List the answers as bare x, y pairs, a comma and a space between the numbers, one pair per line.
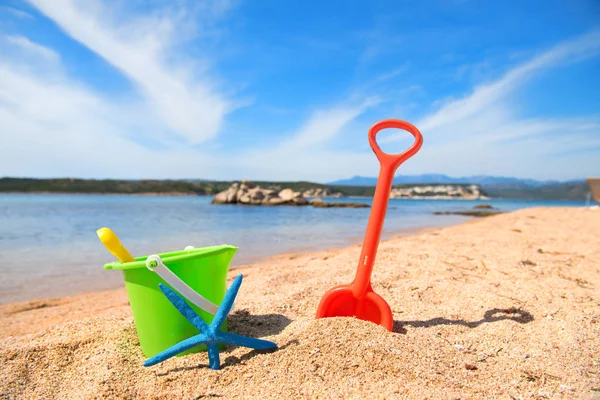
358, 298
198, 274
210, 335
113, 244
154, 263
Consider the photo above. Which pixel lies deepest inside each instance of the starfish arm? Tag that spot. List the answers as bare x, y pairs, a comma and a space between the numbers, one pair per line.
174, 350
213, 356
237, 340
184, 308
227, 303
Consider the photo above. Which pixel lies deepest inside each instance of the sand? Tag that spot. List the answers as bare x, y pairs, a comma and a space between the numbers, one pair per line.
502, 307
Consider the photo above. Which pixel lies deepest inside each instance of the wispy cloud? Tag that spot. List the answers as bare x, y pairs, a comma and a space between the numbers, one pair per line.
30, 46
53, 126
16, 12
190, 105
326, 124
486, 95
391, 74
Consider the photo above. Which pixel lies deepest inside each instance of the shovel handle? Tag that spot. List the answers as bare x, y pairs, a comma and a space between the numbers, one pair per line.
388, 165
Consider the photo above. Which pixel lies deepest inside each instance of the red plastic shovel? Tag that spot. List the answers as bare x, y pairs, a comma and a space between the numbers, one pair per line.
358, 298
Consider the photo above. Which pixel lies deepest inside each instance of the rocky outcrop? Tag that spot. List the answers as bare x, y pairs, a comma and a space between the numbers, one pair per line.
321, 192
251, 194
482, 210
319, 203
466, 192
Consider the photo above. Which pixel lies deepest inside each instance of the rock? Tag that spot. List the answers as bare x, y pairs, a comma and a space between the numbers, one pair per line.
268, 193
220, 198
469, 213
231, 195
351, 205
275, 201
256, 194
471, 192
483, 207
248, 193
244, 199
247, 185
289, 194
321, 192
319, 203
228, 196
300, 201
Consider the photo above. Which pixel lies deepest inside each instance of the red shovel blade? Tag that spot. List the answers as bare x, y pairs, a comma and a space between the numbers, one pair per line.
340, 302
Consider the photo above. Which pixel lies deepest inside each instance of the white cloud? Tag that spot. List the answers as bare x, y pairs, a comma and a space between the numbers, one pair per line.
324, 125
52, 126
191, 107
391, 74
305, 153
29, 46
16, 12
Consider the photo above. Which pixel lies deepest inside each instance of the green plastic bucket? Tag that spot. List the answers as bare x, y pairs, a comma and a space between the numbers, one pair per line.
158, 323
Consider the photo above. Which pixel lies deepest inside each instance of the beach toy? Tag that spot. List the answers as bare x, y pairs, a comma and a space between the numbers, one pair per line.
113, 244
358, 298
210, 335
154, 263
202, 271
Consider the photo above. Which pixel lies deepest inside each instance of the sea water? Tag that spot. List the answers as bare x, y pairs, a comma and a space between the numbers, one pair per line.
49, 247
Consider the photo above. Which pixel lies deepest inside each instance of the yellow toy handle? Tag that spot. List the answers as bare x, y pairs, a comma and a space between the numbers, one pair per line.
113, 244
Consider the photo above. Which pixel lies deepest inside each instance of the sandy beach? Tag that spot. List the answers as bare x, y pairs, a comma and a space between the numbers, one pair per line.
504, 307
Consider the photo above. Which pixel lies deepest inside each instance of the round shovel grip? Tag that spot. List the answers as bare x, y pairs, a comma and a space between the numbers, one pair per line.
394, 160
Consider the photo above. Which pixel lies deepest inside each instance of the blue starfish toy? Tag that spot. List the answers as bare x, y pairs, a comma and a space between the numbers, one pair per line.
210, 335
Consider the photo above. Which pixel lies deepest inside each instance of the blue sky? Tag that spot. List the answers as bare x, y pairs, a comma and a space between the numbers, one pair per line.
232, 89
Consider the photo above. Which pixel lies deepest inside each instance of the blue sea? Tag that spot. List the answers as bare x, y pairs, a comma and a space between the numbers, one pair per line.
49, 247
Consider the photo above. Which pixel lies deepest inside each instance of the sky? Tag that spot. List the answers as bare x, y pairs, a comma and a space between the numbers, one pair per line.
272, 90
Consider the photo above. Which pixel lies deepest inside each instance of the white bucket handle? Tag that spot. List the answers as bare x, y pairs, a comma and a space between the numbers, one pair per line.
154, 263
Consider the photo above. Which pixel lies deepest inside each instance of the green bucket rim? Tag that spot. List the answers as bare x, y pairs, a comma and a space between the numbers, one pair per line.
170, 257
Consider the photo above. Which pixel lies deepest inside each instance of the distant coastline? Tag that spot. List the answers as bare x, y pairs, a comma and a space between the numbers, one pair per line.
573, 190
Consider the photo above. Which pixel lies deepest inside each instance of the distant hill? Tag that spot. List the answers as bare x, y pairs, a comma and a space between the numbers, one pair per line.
440, 178
493, 186
108, 186
574, 190
150, 186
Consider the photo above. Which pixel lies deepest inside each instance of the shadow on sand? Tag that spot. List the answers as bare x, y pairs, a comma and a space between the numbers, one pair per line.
493, 315
243, 323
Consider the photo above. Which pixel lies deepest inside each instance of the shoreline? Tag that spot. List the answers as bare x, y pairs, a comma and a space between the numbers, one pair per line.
249, 262
350, 242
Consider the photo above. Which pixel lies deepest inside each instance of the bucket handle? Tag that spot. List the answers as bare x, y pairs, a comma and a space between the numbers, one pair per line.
154, 263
